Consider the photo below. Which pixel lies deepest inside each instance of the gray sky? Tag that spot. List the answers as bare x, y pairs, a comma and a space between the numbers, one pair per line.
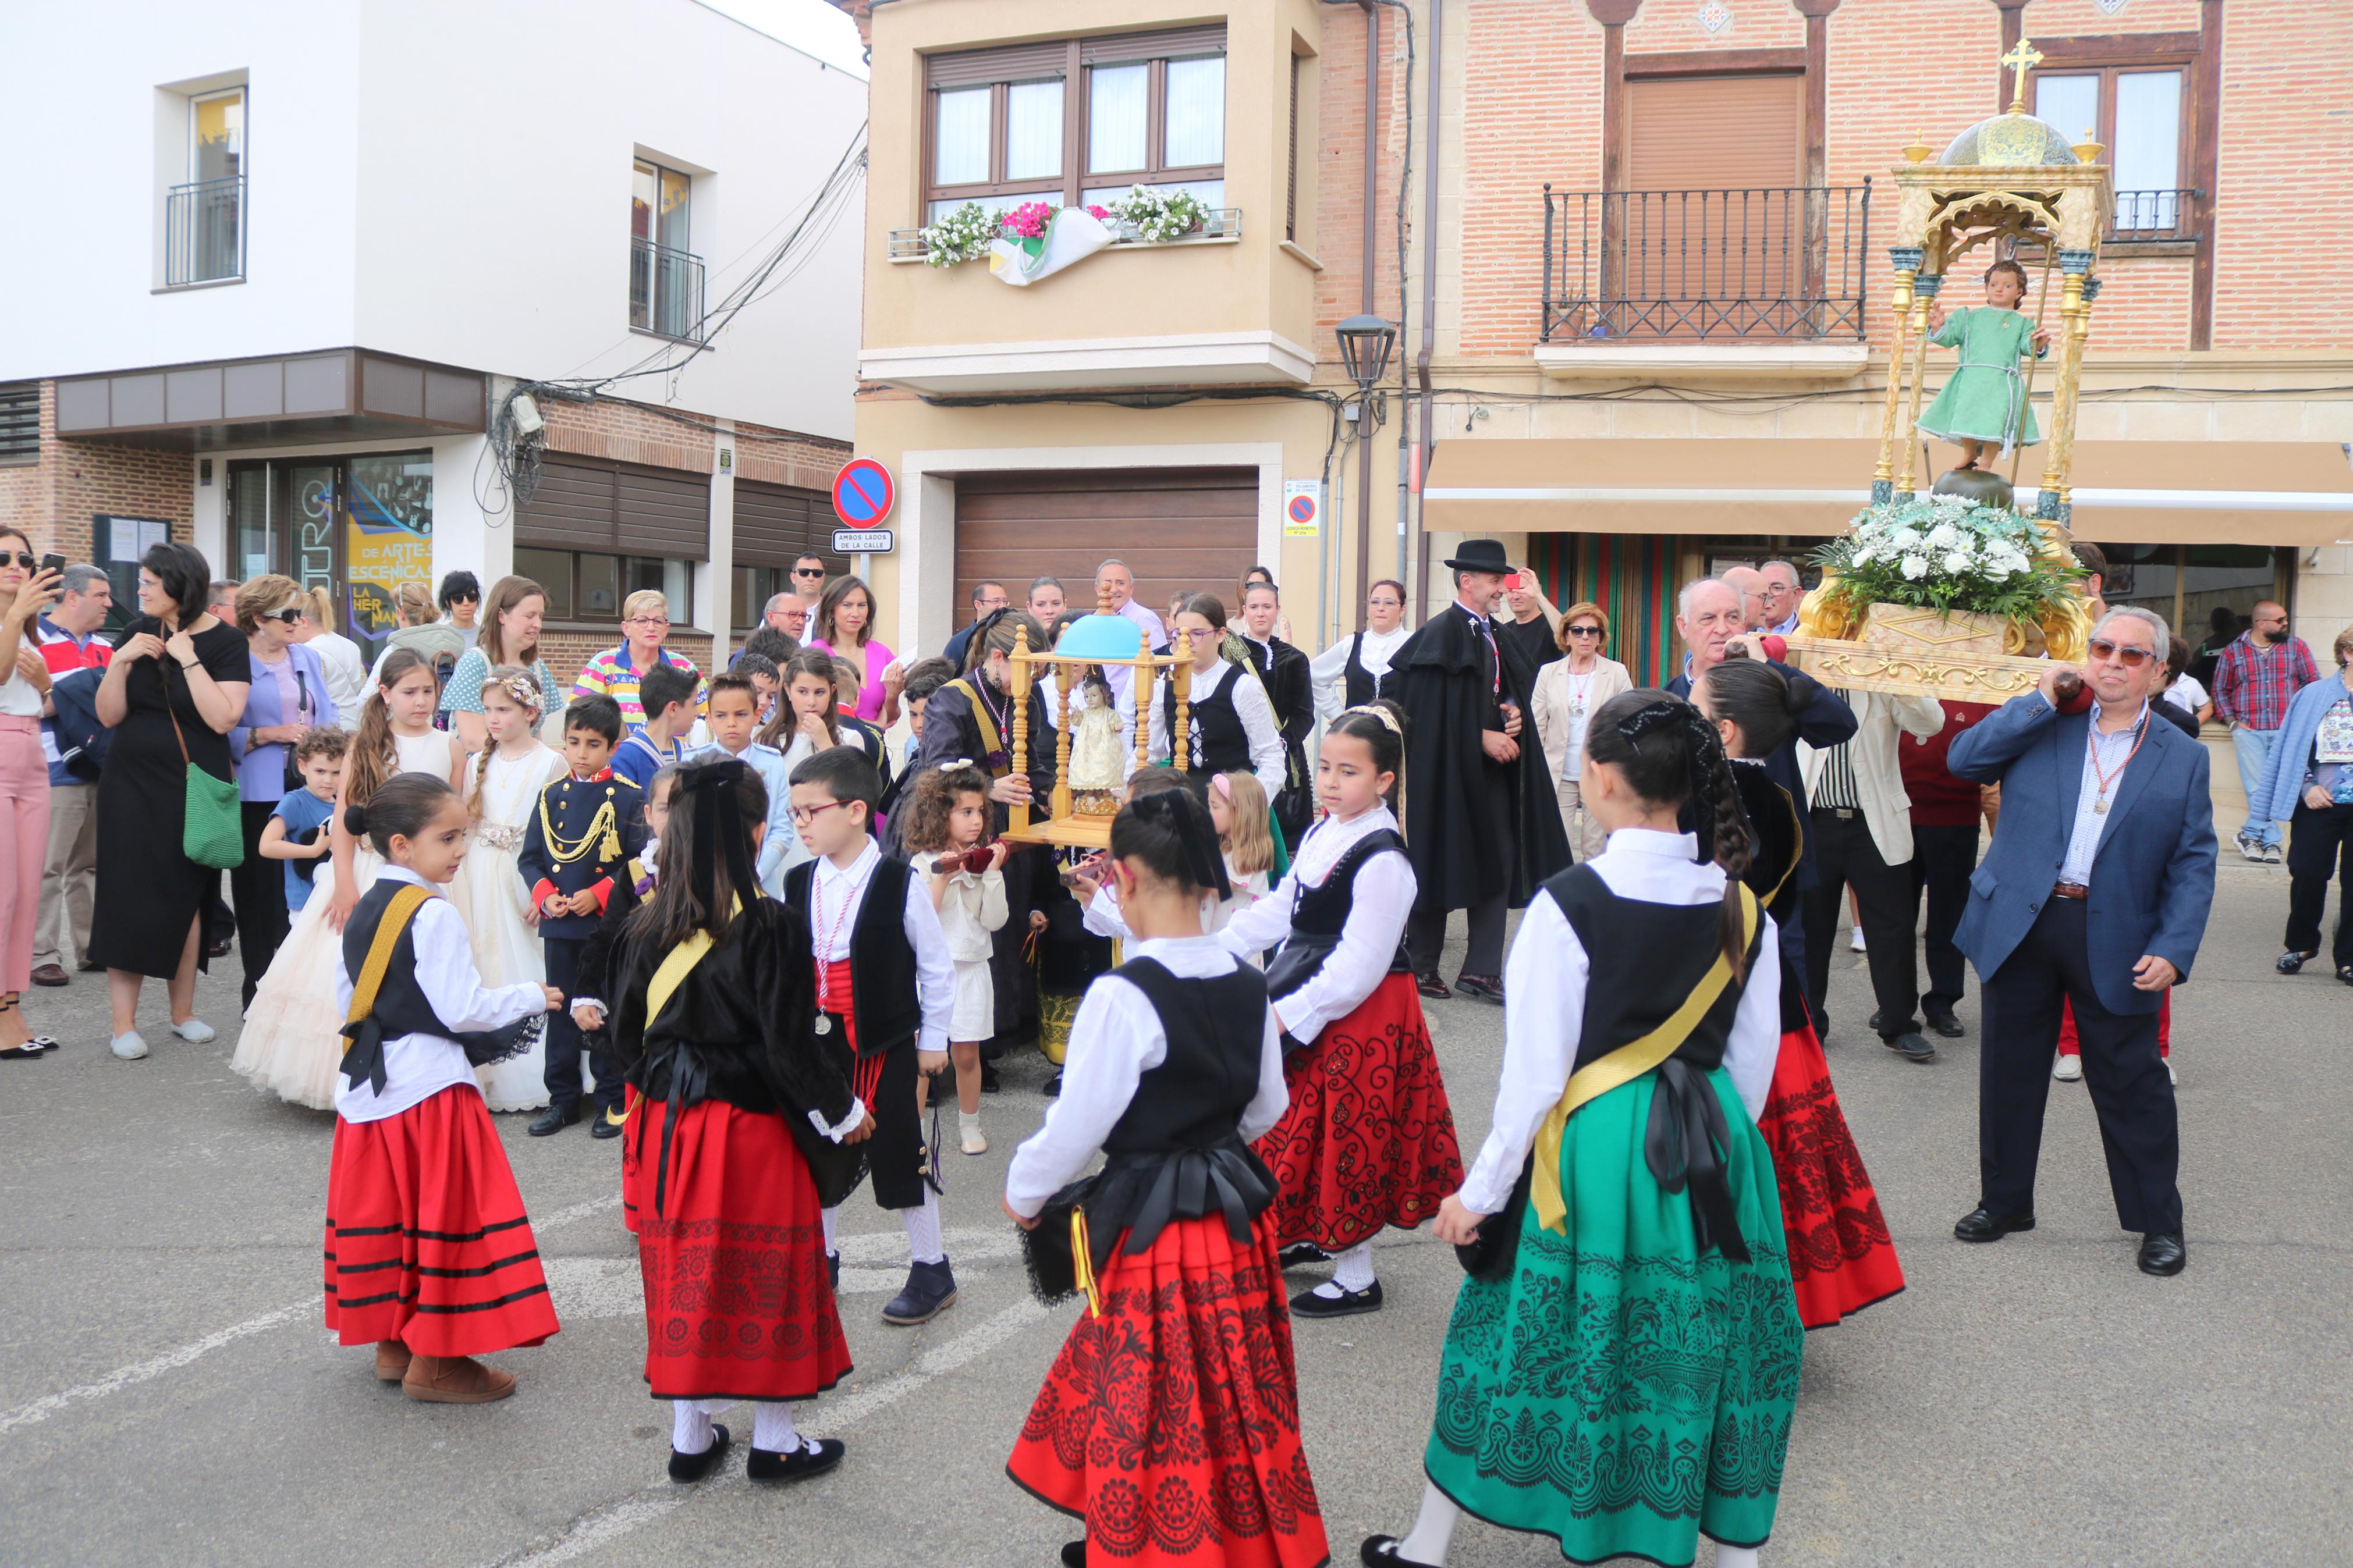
812, 27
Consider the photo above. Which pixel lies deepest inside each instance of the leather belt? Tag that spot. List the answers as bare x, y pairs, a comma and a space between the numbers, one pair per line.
2070, 890
1844, 813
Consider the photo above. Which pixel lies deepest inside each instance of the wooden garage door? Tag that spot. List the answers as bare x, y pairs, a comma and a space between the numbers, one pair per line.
1193, 529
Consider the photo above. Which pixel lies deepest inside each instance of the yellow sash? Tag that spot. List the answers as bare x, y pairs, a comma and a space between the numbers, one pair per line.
1621, 1067
991, 744
396, 915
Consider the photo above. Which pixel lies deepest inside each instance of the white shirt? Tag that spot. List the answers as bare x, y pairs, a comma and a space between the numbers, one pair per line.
346, 675
1368, 938
1156, 640
1328, 670
419, 1066
1115, 1039
2185, 694
19, 699
835, 898
970, 908
1543, 1002
1263, 735
2114, 749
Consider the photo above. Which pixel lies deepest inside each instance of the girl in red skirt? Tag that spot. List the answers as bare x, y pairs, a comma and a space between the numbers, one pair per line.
741, 1131
1170, 1421
1841, 1259
1368, 1140
429, 1255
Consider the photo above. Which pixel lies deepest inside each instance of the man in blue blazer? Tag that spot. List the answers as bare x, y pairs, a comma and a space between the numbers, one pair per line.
2094, 893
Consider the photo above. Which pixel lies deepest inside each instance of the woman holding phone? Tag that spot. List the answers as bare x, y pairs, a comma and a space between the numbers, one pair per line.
25, 593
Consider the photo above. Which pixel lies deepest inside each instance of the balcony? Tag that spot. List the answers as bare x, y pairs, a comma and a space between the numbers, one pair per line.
665, 290
2160, 220
203, 232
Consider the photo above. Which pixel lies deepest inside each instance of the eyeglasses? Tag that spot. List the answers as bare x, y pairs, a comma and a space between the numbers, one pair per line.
805, 815
808, 570
648, 620
1585, 631
2130, 657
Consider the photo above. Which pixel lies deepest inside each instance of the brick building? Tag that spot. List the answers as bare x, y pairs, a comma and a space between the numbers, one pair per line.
279, 334
1644, 302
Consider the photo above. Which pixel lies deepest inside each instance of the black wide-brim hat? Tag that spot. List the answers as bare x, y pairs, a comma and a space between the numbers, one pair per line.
1479, 555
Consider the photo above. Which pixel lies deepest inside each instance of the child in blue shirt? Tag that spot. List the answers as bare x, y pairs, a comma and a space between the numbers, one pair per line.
668, 694
296, 833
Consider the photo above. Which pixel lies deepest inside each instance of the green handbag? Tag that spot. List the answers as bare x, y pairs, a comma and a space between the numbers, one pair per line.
212, 823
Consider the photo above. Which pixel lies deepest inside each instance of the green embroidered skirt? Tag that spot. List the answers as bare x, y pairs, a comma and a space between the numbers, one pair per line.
1620, 1393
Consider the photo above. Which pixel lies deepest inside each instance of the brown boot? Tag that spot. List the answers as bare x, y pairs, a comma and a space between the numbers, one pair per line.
392, 1359
455, 1380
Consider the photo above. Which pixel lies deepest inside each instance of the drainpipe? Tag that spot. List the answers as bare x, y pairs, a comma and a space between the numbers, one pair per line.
1365, 402
1429, 299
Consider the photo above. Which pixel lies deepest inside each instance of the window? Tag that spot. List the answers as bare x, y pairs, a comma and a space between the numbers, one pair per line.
204, 216
20, 423
754, 587
589, 586
1002, 124
2137, 113
665, 274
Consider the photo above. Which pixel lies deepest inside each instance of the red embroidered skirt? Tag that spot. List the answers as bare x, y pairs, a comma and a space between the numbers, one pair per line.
426, 1239
1368, 1140
1841, 1257
737, 1303
1170, 1423
631, 1162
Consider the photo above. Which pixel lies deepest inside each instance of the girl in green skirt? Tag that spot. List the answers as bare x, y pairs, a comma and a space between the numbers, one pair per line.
1622, 1365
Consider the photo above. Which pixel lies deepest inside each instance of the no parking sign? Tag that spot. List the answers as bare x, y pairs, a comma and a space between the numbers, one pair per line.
1302, 507
863, 493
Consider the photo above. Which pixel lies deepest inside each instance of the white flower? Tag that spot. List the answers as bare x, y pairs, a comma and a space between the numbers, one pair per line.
1916, 566
1957, 563
1905, 538
1943, 536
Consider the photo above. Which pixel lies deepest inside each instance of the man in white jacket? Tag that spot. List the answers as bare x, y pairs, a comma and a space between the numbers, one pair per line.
1860, 824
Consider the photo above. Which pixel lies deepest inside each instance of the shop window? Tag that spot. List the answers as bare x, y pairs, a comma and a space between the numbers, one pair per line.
588, 587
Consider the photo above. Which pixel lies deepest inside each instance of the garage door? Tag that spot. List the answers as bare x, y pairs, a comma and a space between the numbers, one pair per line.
1193, 529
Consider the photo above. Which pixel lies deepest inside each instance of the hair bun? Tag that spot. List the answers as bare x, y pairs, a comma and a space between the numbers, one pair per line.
355, 821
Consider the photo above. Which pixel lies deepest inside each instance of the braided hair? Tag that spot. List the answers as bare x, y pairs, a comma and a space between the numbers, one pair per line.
1668, 755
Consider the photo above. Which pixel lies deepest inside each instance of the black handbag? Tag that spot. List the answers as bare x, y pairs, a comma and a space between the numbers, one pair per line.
1049, 1250
1495, 1251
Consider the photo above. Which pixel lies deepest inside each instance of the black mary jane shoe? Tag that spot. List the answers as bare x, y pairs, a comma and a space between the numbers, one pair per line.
1074, 1554
833, 1272
1381, 1552
1486, 987
1347, 1304
2162, 1253
813, 1457
1299, 1253
555, 1120
1433, 988
2290, 962
695, 1467
1979, 1225
1053, 1090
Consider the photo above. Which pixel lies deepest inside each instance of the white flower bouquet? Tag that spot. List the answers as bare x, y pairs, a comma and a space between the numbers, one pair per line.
1157, 215
964, 234
1951, 555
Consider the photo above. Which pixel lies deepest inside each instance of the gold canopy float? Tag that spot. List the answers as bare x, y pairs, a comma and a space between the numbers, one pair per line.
2010, 186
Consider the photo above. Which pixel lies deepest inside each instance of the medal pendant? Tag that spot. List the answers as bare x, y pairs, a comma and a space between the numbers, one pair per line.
2099, 808
1576, 708
824, 1025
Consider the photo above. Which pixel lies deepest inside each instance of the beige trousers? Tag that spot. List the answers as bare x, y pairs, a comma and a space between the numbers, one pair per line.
1586, 836
69, 877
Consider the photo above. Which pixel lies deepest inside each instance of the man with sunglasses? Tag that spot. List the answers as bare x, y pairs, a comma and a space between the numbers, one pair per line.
808, 583
2116, 800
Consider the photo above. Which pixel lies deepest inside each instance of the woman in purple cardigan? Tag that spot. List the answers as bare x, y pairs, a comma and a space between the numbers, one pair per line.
288, 698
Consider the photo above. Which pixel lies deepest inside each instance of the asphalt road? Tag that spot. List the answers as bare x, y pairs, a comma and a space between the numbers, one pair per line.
168, 1393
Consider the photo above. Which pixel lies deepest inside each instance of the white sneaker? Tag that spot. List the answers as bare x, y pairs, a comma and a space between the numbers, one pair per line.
197, 1032
2068, 1070
1854, 942
129, 1046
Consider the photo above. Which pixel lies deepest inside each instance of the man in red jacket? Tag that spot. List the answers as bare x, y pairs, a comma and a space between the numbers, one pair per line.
1945, 812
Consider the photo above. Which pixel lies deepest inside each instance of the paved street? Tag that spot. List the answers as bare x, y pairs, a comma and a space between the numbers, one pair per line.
168, 1396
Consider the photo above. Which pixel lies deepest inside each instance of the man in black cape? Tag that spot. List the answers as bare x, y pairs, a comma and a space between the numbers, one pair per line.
1461, 775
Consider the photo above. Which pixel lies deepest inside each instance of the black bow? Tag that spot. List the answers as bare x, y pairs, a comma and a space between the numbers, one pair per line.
718, 829
1703, 748
1685, 1145
1182, 813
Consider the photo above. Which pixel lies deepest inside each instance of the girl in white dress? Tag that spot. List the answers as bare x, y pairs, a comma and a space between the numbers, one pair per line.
505, 781
947, 816
293, 1040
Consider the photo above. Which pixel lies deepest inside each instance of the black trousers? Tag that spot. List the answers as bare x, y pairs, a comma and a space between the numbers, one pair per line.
2138, 1127
258, 888
2319, 842
896, 1156
1844, 855
1942, 859
564, 1040
1425, 935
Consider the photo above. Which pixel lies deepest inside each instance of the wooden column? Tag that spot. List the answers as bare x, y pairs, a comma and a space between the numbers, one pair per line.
2206, 126
1613, 15
1817, 161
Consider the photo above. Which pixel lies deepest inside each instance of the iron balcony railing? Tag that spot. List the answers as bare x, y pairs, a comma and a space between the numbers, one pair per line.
2156, 215
203, 232
1767, 262
665, 290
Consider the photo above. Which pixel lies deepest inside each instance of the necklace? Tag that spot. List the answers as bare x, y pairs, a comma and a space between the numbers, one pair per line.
1577, 690
824, 1025
2104, 778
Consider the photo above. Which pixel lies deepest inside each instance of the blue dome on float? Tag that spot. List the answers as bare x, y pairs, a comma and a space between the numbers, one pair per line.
1102, 636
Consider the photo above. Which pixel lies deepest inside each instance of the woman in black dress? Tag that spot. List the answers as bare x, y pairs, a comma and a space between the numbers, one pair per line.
150, 894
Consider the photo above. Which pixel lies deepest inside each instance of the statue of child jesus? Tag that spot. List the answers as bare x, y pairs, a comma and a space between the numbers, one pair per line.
1985, 403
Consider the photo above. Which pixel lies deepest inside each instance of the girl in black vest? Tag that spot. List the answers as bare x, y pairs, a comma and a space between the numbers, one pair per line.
429, 1254
1229, 727
1170, 1422
1368, 1140
741, 1126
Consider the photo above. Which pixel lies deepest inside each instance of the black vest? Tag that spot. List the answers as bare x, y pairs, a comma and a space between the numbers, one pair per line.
401, 1007
882, 959
1361, 686
1220, 745
1318, 915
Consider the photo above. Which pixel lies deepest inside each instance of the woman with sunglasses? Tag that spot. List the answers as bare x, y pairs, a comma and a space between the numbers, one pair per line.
287, 696
1567, 692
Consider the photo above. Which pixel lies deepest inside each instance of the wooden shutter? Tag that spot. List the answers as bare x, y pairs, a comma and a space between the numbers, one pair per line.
979, 67
663, 512
774, 524
1714, 133
1177, 44
619, 508
1195, 529
571, 510
1721, 241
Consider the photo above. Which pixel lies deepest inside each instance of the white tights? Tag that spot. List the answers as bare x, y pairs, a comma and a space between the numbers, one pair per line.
1433, 1535
772, 1424
924, 1244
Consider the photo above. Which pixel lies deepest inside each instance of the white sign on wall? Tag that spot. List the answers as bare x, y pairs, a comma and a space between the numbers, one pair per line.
1302, 507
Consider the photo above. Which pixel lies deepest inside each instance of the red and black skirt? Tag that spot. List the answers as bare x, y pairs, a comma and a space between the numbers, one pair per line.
426, 1239
1368, 1140
1841, 1257
1170, 1423
737, 1303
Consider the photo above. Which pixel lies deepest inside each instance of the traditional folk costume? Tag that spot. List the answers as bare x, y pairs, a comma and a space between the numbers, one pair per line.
885, 989
971, 911
1841, 1259
1282, 670
1986, 400
427, 1244
1170, 1420
595, 978
735, 1130
1625, 1383
488, 893
578, 840
1368, 1140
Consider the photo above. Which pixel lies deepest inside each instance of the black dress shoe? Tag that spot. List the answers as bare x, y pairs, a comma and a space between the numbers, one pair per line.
554, 1119
1074, 1554
833, 1271
2162, 1253
1486, 987
1301, 1253
608, 1123
1381, 1552
695, 1467
1946, 1024
1979, 1226
1347, 1304
813, 1457
1433, 988
1053, 1090
2290, 962
1912, 1044
930, 1289
989, 1084
2345, 972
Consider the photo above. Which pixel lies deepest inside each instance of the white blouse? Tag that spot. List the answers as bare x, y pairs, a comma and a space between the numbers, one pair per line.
1384, 892
1329, 670
1115, 1039
971, 907
1543, 1002
1259, 728
835, 898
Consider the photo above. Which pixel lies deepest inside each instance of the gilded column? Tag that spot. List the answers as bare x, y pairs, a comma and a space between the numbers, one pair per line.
1924, 294
1907, 259
2075, 325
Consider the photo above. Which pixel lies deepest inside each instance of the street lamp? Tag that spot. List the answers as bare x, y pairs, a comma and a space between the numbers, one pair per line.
1365, 344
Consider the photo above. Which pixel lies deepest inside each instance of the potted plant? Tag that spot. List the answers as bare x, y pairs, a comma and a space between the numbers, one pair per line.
963, 234
1156, 214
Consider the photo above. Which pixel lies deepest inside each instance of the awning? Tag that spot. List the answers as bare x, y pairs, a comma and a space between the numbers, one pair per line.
2142, 492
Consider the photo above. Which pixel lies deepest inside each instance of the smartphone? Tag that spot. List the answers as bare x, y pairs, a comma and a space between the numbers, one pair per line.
1512, 581
53, 563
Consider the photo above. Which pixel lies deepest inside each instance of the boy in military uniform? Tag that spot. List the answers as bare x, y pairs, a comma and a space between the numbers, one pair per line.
588, 825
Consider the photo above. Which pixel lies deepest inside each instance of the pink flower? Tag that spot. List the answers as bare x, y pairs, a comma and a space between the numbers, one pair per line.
1028, 221
1095, 212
